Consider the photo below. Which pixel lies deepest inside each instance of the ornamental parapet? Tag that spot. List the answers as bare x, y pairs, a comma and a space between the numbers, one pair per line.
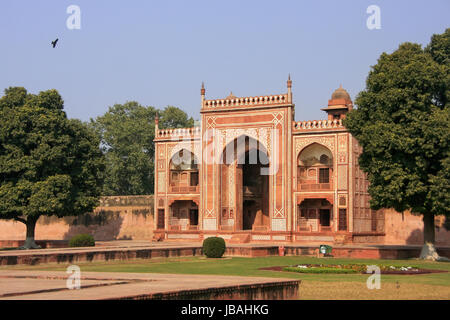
299, 126
194, 132
232, 101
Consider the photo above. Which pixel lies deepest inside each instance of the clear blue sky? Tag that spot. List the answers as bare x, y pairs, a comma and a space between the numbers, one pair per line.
159, 52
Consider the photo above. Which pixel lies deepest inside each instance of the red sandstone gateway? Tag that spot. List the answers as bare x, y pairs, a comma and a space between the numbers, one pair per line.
251, 173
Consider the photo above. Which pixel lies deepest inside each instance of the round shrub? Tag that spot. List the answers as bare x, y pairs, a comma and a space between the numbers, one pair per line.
214, 247
82, 240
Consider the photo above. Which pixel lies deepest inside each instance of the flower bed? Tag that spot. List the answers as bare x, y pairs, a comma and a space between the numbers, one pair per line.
314, 269
350, 269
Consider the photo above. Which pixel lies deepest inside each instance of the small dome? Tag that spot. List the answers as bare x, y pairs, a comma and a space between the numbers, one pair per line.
340, 93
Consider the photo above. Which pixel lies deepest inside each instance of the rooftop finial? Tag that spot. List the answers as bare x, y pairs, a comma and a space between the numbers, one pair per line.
202, 91
289, 87
231, 96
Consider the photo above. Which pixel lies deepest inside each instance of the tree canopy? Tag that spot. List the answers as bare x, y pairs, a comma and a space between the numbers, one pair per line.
49, 165
402, 122
127, 132
173, 117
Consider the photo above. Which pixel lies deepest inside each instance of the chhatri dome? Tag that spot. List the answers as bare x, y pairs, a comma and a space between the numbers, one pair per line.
339, 104
340, 93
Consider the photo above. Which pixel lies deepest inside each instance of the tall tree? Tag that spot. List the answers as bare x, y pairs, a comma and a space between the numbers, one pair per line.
49, 165
127, 132
173, 117
402, 122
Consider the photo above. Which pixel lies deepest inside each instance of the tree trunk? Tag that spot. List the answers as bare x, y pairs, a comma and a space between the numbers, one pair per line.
29, 241
428, 250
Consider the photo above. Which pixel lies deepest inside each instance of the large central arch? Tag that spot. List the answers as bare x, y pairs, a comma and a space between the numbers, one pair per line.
244, 186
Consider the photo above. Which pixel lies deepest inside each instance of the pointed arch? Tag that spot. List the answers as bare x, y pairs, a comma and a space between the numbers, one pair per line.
314, 167
184, 172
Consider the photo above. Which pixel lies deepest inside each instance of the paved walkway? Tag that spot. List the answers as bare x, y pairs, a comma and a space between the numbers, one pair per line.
145, 244
128, 250
105, 246
52, 285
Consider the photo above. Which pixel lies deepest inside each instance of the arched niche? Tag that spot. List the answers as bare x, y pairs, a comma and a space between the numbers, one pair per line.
315, 214
315, 168
184, 176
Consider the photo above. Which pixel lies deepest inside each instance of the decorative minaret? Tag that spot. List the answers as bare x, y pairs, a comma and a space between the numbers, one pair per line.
202, 92
156, 124
289, 85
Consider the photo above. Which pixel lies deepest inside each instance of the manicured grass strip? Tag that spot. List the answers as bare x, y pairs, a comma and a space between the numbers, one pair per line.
244, 266
343, 290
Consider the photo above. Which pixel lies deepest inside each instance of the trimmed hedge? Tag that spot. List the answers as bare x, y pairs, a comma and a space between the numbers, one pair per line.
214, 247
82, 240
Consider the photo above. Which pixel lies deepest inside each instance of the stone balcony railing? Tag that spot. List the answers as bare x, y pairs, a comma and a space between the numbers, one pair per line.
246, 101
184, 189
314, 186
317, 125
177, 133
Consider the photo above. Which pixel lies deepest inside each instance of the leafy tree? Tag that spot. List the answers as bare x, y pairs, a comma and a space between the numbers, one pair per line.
439, 48
49, 165
403, 125
173, 117
127, 132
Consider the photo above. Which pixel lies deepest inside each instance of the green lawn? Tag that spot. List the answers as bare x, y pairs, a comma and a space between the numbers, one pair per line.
249, 267
314, 286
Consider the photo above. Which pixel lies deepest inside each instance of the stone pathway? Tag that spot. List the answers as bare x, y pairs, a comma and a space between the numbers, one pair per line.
52, 285
143, 244
105, 246
127, 250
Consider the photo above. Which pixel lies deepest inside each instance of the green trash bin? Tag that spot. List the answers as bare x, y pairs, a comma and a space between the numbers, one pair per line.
325, 249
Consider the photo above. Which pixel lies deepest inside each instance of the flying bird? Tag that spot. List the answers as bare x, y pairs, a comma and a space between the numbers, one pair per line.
54, 42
